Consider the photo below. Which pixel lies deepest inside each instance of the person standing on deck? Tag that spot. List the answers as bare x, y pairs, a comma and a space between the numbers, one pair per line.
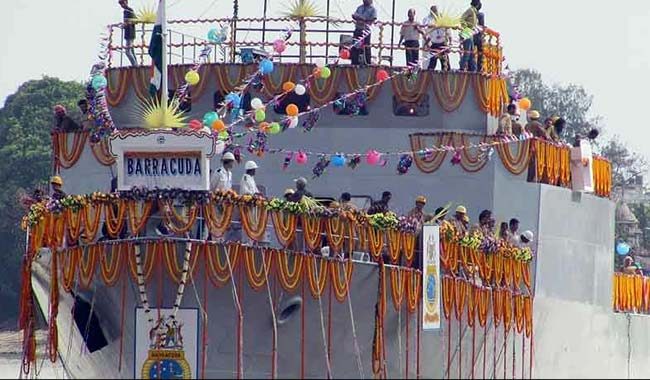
469, 22
410, 37
437, 40
222, 178
247, 186
417, 213
380, 206
505, 121
301, 190
460, 221
364, 16
57, 188
129, 31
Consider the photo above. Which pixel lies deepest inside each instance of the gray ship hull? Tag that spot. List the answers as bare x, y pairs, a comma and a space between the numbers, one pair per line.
576, 333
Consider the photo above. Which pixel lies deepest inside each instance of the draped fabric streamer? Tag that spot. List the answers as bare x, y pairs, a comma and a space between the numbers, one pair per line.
409, 89
102, 154
515, 163
602, 177
450, 89
118, 85
631, 293
432, 161
64, 156
354, 83
321, 91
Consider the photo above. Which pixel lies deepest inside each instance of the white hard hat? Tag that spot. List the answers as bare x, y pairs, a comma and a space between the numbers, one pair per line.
228, 156
250, 165
528, 235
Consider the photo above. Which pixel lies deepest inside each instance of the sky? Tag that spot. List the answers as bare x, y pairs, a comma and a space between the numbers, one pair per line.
601, 46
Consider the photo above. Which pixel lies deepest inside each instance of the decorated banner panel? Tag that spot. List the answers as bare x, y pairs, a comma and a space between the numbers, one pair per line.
431, 277
167, 347
163, 159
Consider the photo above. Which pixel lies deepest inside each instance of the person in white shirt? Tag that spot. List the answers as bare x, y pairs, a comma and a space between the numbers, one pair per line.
247, 185
436, 39
221, 178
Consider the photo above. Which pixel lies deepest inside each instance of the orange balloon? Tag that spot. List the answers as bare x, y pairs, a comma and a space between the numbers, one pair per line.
316, 72
264, 126
525, 104
218, 125
288, 86
292, 110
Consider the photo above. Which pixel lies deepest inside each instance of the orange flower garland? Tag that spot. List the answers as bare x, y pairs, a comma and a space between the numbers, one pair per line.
394, 245
285, 227
336, 229
317, 277
408, 246
73, 221
460, 295
114, 223
398, 286
257, 277
289, 278
176, 222
414, 288
91, 217
376, 241
174, 270
482, 296
218, 225
341, 289
519, 312
220, 272
111, 269
152, 252
311, 226
64, 158
253, 221
138, 222
448, 293
87, 266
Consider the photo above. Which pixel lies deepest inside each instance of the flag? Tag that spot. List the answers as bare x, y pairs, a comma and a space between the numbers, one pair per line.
155, 52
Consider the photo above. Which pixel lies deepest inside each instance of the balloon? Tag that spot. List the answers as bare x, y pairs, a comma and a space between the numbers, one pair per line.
317, 72
264, 126
274, 128
344, 54
260, 115
293, 122
300, 90
292, 110
223, 135
320, 64
301, 158
219, 126
466, 33
209, 118
338, 160
373, 157
382, 75
98, 82
288, 86
266, 66
195, 124
217, 36
525, 104
192, 77
256, 103
622, 249
233, 100
325, 72
279, 45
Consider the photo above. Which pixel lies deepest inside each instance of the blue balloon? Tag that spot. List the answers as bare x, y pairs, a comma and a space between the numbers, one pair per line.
209, 118
266, 66
233, 100
338, 160
622, 249
217, 36
98, 82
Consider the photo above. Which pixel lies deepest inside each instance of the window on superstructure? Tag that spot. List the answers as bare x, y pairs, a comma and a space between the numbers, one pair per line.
302, 101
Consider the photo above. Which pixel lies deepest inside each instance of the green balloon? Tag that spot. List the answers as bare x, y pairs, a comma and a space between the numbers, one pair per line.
260, 115
274, 128
325, 72
224, 135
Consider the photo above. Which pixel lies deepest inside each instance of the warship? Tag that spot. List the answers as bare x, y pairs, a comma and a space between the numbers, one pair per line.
144, 271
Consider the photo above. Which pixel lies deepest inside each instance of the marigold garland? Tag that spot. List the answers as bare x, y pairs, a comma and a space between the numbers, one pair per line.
220, 272
87, 266
376, 242
253, 220
64, 158
138, 216
73, 220
341, 289
256, 277
450, 89
394, 245
176, 222
218, 225
482, 296
336, 229
285, 227
519, 312
460, 295
414, 289
289, 278
114, 223
311, 226
91, 217
111, 269
317, 277
398, 286
170, 254
448, 293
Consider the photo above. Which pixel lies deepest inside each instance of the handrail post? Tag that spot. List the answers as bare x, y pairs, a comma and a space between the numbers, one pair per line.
327, 32
392, 34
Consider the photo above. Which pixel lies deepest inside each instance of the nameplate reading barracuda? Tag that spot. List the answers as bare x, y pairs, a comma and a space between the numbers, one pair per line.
163, 159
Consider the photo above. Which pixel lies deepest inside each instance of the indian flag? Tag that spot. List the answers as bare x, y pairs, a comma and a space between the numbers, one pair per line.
155, 52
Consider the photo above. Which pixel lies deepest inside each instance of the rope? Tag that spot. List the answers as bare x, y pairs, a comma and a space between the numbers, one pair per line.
87, 329
274, 358
523, 355
629, 345
322, 326
240, 319
408, 320
302, 330
399, 339
514, 359
357, 351
448, 346
122, 309
417, 370
473, 349
460, 347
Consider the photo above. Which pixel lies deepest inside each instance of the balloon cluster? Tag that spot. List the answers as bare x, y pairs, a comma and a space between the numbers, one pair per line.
96, 94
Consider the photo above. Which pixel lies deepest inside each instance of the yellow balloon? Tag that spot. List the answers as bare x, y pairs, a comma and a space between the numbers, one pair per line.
192, 77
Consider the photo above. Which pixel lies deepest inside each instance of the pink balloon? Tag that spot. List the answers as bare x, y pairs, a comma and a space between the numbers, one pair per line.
373, 157
382, 75
195, 124
279, 45
301, 158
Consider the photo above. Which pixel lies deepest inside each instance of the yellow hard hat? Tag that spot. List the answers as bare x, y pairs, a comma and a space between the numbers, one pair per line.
421, 199
56, 180
461, 209
533, 115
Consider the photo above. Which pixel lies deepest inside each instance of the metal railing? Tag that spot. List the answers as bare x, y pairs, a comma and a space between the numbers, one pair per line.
312, 40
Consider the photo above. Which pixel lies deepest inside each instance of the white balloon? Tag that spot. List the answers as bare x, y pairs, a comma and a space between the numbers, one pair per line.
320, 64
256, 103
294, 122
300, 89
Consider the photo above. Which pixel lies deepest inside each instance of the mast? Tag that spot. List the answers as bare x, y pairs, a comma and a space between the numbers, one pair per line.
165, 77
